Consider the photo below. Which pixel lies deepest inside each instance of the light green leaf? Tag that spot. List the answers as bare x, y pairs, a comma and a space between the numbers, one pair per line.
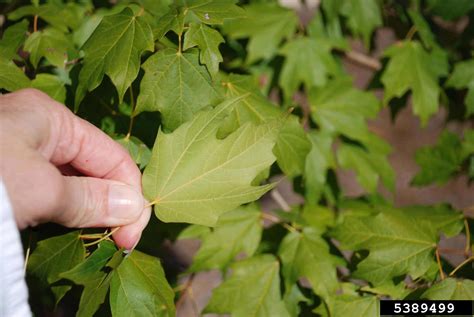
208, 40
51, 85
363, 16
446, 219
139, 288
451, 289
318, 161
306, 254
176, 85
463, 77
138, 150
423, 29
253, 106
399, 243
12, 39
411, 68
95, 281
318, 217
292, 147
355, 306
194, 177
213, 11
253, 290
241, 229
266, 31
292, 298
11, 77
47, 261
194, 232
439, 162
114, 49
49, 43
340, 108
371, 167
307, 62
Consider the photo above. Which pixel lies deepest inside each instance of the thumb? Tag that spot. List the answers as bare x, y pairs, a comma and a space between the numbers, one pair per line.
94, 202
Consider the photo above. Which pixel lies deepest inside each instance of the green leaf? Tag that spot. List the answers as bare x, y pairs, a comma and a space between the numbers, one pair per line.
54, 256
213, 11
446, 219
114, 49
292, 298
371, 167
51, 85
306, 254
208, 40
11, 77
253, 106
307, 62
450, 10
59, 15
463, 77
292, 147
340, 108
399, 243
411, 68
451, 289
241, 229
194, 232
139, 288
318, 217
355, 306
90, 274
318, 161
194, 177
50, 44
176, 85
266, 31
423, 29
138, 150
439, 162
172, 20
363, 16
253, 290
12, 39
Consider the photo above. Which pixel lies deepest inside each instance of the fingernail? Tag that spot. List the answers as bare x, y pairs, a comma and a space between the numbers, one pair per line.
128, 251
125, 202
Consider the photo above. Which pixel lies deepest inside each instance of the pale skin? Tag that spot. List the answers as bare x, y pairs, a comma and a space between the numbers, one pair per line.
60, 168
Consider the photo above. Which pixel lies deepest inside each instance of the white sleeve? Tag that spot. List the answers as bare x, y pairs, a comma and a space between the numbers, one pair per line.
13, 290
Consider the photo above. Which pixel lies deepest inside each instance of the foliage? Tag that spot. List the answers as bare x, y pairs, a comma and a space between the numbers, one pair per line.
215, 100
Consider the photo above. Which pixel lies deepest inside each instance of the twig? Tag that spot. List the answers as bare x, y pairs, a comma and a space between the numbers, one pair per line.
280, 200
277, 220
35, 23
410, 33
468, 238
438, 260
28, 250
364, 60
102, 239
461, 265
132, 100
185, 290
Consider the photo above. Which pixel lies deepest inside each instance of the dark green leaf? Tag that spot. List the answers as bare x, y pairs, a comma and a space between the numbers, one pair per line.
213, 11
114, 49
12, 39
54, 256
438, 163
49, 43
363, 16
11, 77
139, 288
176, 85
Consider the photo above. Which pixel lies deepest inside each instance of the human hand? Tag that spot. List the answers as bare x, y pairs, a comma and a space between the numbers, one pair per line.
40, 139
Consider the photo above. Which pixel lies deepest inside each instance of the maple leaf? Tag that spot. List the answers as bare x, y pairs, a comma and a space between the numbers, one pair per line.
463, 77
194, 177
